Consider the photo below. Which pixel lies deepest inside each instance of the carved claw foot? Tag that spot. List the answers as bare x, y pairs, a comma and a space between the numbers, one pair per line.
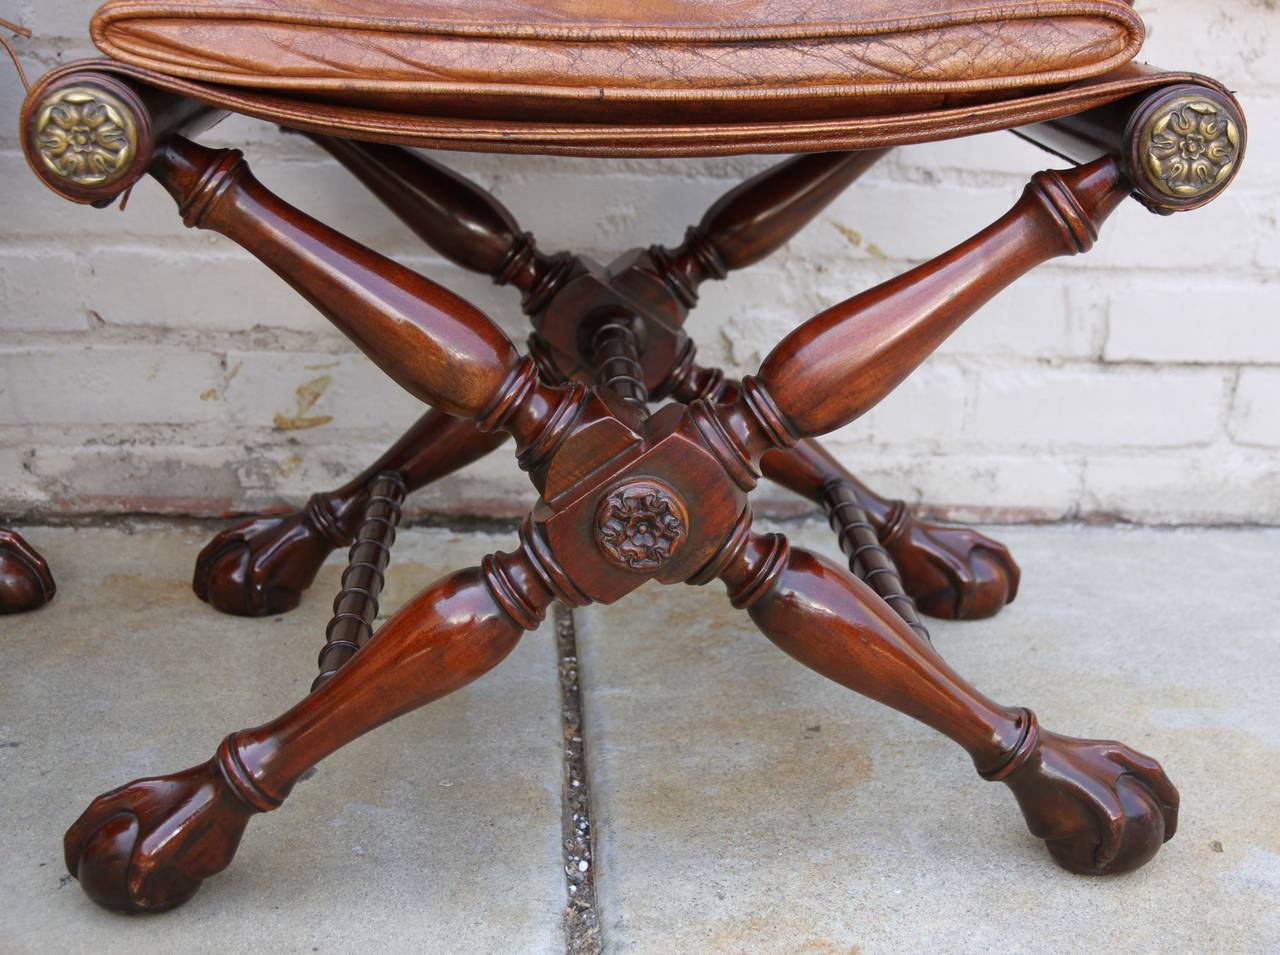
954, 573
262, 566
147, 846
25, 581
1100, 807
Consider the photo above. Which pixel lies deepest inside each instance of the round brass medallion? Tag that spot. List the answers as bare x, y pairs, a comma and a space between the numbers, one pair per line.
640, 525
1190, 145
85, 135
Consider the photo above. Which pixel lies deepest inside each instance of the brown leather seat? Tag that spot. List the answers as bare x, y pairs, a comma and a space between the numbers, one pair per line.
648, 61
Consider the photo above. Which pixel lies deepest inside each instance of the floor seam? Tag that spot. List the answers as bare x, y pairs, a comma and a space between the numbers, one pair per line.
581, 916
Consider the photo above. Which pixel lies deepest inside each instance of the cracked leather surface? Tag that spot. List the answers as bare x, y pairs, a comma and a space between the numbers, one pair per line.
651, 61
639, 139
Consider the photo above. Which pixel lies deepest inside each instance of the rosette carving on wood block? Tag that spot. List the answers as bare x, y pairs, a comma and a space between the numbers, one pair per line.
640, 525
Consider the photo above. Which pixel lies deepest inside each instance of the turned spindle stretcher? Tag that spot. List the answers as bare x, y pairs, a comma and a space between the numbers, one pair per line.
626, 494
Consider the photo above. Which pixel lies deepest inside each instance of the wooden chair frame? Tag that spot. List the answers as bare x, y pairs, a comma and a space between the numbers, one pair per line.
625, 495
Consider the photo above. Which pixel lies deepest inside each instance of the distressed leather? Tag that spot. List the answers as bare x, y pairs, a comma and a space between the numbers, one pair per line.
632, 61
641, 139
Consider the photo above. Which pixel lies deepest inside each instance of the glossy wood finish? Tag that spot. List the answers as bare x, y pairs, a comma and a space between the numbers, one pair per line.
356, 606
450, 213
26, 583
627, 497
1214, 129
1100, 806
756, 218
262, 566
952, 572
841, 363
149, 115
868, 560
615, 352
148, 845
435, 345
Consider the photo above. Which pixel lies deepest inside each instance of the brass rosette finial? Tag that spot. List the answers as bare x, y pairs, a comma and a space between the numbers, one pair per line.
85, 135
1185, 146
1191, 146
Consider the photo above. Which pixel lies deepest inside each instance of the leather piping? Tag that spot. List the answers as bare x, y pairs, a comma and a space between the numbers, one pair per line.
622, 140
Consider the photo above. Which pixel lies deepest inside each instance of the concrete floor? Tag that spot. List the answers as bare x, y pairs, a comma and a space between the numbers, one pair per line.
742, 804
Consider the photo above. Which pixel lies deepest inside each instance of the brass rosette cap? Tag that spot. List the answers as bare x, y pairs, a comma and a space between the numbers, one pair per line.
86, 135
1184, 147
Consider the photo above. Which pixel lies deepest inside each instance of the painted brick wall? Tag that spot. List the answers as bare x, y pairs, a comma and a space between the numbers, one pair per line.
147, 367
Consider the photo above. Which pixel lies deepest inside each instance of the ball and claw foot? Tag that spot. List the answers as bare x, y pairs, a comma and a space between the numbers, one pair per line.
1101, 807
954, 573
25, 581
261, 567
148, 845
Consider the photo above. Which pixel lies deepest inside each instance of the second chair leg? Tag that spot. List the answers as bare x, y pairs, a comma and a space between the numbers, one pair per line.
261, 566
1100, 806
148, 845
953, 572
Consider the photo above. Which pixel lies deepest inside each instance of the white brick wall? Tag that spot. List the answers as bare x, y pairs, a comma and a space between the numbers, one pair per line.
147, 367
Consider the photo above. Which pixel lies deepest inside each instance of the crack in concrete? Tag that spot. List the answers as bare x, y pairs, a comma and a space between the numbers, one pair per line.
581, 917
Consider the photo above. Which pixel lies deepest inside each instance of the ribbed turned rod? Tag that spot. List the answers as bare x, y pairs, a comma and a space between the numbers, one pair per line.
867, 559
615, 352
356, 606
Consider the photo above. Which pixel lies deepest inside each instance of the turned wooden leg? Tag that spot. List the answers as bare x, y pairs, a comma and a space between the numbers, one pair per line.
1100, 806
261, 566
25, 581
148, 845
953, 572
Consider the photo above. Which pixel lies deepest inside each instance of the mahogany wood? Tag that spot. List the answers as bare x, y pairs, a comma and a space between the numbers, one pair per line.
453, 215
438, 347
841, 363
147, 846
25, 580
756, 218
154, 115
356, 606
952, 572
616, 354
868, 560
625, 497
1100, 806
1121, 129
261, 566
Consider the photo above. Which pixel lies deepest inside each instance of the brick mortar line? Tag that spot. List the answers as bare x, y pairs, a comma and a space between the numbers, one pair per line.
581, 914
182, 245
789, 514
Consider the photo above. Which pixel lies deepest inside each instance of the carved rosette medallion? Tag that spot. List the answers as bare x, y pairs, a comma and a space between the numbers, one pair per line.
640, 525
85, 135
1190, 146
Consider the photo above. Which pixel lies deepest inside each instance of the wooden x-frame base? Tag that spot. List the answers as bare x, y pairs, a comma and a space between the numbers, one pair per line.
626, 494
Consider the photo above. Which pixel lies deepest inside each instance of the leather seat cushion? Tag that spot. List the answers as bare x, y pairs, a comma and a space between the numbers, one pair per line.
663, 61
